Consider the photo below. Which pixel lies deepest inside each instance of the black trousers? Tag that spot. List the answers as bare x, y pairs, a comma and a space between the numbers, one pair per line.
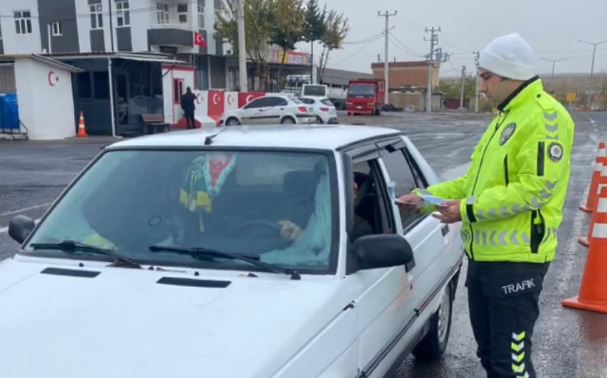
503, 303
189, 116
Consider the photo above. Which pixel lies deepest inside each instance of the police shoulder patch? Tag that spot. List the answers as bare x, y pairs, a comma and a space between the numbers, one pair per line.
507, 133
555, 152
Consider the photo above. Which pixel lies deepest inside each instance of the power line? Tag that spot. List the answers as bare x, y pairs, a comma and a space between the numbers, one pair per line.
403, 46
358, 50
369, 39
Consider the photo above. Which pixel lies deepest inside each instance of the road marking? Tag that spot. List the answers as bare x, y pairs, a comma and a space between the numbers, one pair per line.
24, 209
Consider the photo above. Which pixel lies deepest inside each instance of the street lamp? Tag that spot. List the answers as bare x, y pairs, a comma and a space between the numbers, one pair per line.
594, 45
554, 62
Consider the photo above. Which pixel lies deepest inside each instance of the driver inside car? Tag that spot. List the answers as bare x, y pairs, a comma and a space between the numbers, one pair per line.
291, 231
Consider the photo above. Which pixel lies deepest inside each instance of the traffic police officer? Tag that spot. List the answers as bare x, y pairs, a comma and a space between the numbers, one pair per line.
510, 203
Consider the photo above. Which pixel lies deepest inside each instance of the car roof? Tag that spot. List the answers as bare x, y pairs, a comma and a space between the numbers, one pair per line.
326, 137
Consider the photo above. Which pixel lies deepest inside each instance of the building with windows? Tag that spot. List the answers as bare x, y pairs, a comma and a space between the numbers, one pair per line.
126, 49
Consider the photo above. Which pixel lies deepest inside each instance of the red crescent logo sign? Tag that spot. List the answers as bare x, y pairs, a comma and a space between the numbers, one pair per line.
215, 99
230, 99
249, 98
53, 79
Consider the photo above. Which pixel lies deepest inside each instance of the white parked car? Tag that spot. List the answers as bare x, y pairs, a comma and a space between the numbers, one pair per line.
270, 109
322, 107
248, 252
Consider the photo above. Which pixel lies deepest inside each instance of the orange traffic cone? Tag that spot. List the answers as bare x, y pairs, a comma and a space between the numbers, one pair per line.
593, 292
592, 191
600, 184
81, 128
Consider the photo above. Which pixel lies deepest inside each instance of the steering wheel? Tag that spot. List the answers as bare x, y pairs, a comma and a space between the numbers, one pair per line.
272, 226
275, 241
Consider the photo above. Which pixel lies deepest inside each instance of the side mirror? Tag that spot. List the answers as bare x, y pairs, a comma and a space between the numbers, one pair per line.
383, 251
20, 227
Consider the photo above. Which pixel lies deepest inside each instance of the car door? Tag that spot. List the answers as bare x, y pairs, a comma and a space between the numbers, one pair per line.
266, 112
384, 311
246, 112
276, 111
427, 236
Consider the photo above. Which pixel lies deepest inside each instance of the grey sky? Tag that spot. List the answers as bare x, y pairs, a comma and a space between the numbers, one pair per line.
552, 27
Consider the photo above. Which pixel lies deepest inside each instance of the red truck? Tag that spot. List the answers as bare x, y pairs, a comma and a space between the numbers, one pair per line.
365, 96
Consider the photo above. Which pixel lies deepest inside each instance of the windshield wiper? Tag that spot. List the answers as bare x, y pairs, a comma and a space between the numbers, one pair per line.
207, 252
72, 247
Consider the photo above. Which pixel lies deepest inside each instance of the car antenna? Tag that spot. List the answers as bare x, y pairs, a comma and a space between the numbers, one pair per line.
209, 138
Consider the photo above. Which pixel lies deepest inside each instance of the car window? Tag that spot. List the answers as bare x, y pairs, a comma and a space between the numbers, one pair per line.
237, 202
257, 103
308, 101
261, 102
371, 215
326, 101
279, 101
296, 100
405, 178
315, 90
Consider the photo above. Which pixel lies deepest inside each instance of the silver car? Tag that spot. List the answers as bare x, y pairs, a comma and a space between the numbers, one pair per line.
271, 109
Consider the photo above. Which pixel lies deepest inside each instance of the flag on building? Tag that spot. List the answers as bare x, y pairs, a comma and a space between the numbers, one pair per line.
199, 40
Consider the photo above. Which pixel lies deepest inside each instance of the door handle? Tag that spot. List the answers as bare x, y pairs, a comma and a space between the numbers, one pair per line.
445, 229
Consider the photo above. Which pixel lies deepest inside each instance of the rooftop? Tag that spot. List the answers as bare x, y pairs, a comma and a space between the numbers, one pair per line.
326, 137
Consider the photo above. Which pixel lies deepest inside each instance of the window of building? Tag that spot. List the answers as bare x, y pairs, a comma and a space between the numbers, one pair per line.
56, 28
123, 15
162, 13
101, 85
96, 9
201, 14
83, 83
182, 13
177, 90
23, 22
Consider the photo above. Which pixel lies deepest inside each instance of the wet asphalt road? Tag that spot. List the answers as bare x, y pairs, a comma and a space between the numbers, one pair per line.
567, 343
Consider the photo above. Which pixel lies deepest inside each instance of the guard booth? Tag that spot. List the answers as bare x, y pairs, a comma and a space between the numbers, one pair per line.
114, 90
36, 97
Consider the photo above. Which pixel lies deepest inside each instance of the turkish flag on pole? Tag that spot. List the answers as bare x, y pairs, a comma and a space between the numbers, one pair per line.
199, 40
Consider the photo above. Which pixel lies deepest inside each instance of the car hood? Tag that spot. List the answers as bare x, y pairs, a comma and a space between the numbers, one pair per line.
123, 323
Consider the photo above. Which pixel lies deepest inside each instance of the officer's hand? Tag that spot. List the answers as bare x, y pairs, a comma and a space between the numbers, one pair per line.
449, 212
289, 230
409, 202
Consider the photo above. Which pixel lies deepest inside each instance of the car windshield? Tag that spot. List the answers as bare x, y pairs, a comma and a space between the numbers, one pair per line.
314, 90
361, 90
277, 206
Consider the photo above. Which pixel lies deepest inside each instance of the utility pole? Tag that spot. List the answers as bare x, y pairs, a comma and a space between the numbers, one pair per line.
49, 39
461, 95
242, 52
477, 56
436, 56
387, 15
594, 45
554, 62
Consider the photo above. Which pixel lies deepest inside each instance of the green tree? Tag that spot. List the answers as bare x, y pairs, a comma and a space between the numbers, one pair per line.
337, 29
315, 26
287, 28
452, 88
258, 15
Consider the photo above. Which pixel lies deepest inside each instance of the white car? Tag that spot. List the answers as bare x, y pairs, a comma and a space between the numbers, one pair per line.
270, 109
245, 252
322, 107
